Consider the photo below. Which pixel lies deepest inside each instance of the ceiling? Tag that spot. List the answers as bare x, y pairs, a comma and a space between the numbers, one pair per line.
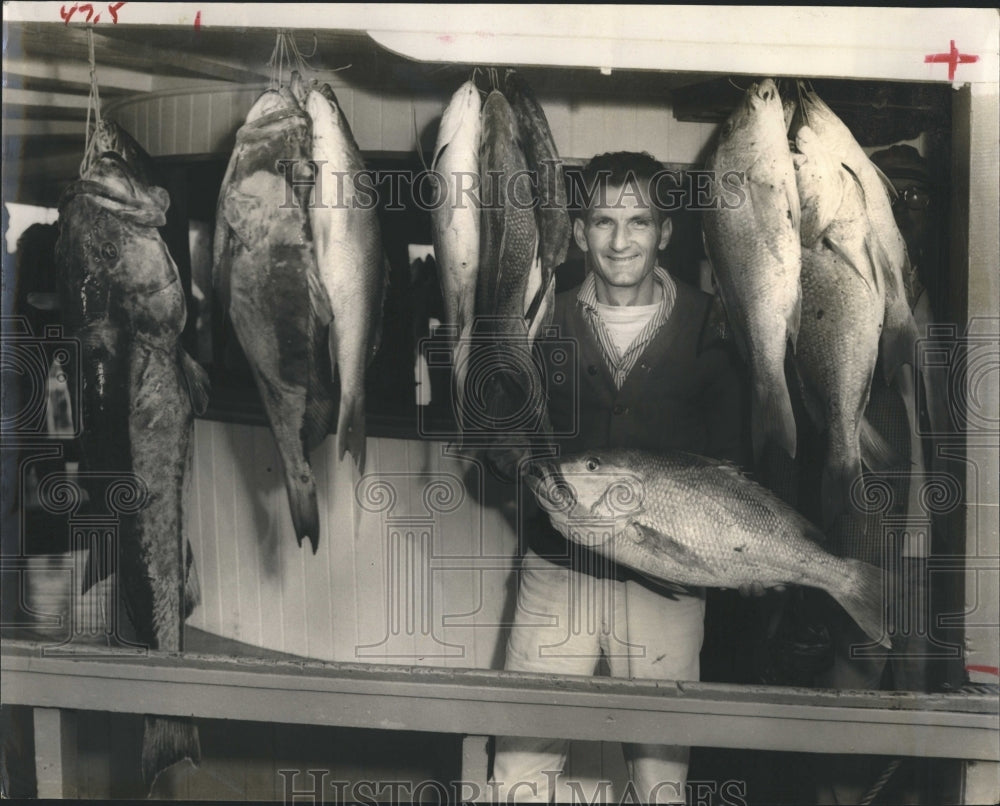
46, 79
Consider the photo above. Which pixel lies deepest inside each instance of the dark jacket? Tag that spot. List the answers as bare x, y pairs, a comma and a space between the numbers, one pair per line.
684, 393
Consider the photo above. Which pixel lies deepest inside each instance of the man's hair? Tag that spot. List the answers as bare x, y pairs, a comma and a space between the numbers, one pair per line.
616, 170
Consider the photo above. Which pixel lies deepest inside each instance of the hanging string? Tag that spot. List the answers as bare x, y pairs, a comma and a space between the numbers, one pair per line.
287, 58
93, 106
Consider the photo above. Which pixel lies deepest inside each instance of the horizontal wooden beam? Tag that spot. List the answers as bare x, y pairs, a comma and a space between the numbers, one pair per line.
43, 128
62, 76
123, 51
473, 701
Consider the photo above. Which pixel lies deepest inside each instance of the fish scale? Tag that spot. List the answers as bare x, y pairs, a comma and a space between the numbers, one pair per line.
121, 296
692, 521
509, 235
843, 304
754, 249
264, 270
351, 266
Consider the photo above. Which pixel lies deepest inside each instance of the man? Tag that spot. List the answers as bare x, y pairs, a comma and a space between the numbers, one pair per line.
647, 379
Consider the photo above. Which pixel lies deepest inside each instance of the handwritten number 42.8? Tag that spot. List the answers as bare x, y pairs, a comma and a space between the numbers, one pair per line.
67, 14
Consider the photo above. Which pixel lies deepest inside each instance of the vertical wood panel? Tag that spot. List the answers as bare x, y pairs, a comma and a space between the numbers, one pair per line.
228, 483
338, 533
370, 569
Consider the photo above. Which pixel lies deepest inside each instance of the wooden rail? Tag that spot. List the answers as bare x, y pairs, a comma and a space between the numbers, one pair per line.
954, 725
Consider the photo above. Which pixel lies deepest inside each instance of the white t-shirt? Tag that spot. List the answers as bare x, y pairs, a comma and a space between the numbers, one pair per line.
625, 322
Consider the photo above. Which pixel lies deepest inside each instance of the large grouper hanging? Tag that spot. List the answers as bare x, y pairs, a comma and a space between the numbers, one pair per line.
265, 273
121, 296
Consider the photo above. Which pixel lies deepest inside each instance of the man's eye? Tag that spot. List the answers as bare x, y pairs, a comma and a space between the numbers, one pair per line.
642, 222
602, 222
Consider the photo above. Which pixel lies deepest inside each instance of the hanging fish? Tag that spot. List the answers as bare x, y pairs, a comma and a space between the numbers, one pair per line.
553, 217
264, 270
351, 263
755, 254
843, 305
455, 220
121, 296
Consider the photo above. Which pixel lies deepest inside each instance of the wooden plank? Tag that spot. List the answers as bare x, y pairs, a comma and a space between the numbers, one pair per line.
981, 783
475, 761
60, 76
452, 701
55, 752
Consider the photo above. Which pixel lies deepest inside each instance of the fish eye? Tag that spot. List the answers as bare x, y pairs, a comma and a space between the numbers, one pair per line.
109, 251
593, 463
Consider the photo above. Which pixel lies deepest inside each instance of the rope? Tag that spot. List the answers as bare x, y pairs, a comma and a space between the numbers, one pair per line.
287, 57
93, 105
879, 785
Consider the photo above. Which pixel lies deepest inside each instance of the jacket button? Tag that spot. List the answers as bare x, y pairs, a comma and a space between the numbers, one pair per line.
592, 369
619, 409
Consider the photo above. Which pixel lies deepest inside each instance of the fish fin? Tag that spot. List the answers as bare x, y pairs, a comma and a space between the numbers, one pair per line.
377, 334
794, 205
872, 250
886, 182
540, 308
319, 298
192, 585
196, 380
772, 418
351, 430
165, 742
670, 590
242, 213
674, 550
898, 344
852, 260
876, 453
863, 600
794, 320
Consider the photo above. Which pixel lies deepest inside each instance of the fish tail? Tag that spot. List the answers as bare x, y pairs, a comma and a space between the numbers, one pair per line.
836, 484
302, 502
772, 419
460, 365
196, 380
794, 321
351, 429
165, 742
861, 596
877, 454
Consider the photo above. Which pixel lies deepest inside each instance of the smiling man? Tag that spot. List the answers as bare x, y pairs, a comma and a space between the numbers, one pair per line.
649, 377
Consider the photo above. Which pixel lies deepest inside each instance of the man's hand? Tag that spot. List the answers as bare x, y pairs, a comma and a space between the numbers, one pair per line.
757, 590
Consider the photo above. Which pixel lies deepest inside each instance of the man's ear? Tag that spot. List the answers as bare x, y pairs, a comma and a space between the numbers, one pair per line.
666, 230
579, 235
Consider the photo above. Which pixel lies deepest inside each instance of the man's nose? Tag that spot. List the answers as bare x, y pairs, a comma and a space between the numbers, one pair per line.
619, 239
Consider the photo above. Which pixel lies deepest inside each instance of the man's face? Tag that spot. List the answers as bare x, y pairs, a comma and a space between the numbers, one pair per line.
911, 211
621, 238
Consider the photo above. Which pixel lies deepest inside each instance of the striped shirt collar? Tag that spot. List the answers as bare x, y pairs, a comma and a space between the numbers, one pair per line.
621, 366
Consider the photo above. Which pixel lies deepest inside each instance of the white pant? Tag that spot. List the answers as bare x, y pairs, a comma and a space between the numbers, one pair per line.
564, 621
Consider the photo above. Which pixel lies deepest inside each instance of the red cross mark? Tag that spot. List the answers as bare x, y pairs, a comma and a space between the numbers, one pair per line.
952, 58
